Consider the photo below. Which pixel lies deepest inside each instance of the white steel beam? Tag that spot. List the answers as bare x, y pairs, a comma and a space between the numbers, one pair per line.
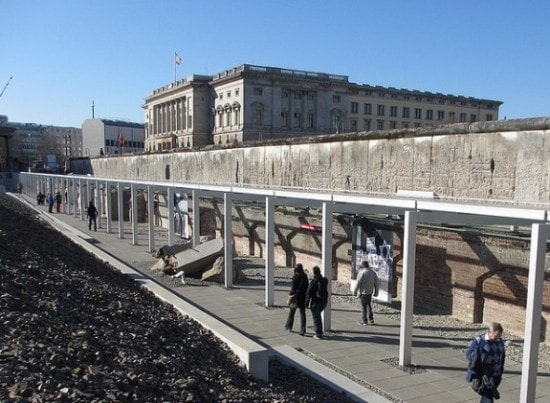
326, 259
269, 251
228, 239
196, 198
120, 206
170, 216
151, 217
407, 292
533, 312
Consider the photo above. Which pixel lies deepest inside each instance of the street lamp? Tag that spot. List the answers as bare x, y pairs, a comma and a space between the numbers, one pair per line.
67, 137
29, 152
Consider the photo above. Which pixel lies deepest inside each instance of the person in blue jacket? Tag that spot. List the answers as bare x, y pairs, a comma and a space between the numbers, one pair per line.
486, 355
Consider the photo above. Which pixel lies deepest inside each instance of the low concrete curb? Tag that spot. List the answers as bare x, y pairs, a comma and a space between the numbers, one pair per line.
325, 375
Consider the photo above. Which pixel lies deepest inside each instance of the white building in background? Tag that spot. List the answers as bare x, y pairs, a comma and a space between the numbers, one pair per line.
111, 137
249, 103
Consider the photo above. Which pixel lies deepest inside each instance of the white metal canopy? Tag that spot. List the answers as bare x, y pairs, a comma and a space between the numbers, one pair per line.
413, 207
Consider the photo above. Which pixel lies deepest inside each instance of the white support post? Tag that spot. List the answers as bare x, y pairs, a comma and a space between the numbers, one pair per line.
120, 206
65, 195
533, 312
269, 251
170, 214
228, 239
75, 197
195, 194
151, 217
133, 213
81, 197
108, 207
407, 292
326, 260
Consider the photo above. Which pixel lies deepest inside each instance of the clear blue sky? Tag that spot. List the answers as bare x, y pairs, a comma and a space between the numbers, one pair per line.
64, 54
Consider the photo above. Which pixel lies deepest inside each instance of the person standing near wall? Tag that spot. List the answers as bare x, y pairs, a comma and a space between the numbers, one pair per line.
92, 216
50, 201
298, 289
156, 210
365, 287
58, 200
317, 299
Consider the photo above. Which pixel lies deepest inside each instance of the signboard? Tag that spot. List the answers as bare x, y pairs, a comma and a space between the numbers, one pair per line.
375, 246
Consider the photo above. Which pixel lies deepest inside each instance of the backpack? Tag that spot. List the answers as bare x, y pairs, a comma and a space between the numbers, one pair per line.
473, 372
322, 292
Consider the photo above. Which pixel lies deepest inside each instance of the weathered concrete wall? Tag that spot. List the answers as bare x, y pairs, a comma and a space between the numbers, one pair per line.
503, 160
471, 274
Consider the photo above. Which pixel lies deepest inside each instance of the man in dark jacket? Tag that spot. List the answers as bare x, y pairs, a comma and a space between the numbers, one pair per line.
486, 356
92, 216
317, 298
299, 289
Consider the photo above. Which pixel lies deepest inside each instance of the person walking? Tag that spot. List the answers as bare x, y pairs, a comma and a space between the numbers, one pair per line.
486, 355
58, 200
92, 216
50, 201
317, 299
156, 210
365, 287
298, 291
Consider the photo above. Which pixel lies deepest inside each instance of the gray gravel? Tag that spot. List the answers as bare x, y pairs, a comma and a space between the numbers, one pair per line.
74, 329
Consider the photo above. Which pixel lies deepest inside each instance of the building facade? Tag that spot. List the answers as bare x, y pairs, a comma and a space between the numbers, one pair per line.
41, 147
111, 137
250, 103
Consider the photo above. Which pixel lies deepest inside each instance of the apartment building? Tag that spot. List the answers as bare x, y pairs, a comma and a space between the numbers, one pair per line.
250, 103
45, 147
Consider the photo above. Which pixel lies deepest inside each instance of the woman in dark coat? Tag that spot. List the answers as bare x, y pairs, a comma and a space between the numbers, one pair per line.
299, 288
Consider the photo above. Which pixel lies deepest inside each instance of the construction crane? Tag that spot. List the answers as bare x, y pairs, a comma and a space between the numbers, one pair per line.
5, 86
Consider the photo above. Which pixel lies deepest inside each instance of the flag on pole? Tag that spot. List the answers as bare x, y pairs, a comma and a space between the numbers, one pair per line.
120, 139
177, 59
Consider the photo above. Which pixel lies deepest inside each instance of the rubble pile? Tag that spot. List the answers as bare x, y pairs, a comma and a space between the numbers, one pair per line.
75, 329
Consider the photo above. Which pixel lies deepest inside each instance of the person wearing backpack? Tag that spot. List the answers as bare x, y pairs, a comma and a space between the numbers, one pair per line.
486, 355
365, 287
317, 299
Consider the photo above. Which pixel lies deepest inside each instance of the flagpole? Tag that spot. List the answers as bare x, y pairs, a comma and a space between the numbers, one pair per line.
175, 66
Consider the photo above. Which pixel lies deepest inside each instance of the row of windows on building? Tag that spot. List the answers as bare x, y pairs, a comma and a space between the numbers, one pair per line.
355, 105
392, 124
130, 144
406, 113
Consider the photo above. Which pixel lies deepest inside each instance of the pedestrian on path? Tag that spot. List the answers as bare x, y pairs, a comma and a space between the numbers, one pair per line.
156, 210
50, 201
92, 216
486, 356
298, 291
316, 300
58, 200
365, 287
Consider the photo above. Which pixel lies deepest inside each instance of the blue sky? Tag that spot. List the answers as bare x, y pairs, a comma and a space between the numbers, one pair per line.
65, 54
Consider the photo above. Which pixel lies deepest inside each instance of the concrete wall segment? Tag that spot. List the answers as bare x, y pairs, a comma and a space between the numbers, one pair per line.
500, 165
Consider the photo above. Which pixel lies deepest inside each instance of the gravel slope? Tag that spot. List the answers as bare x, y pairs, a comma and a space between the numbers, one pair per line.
75, 329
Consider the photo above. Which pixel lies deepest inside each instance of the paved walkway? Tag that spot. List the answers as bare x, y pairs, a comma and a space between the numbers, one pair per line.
363, 352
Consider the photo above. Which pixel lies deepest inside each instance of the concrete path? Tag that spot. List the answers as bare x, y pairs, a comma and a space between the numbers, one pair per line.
363, 353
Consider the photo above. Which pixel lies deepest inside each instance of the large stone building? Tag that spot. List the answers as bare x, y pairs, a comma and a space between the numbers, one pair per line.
111, 137
249, 103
